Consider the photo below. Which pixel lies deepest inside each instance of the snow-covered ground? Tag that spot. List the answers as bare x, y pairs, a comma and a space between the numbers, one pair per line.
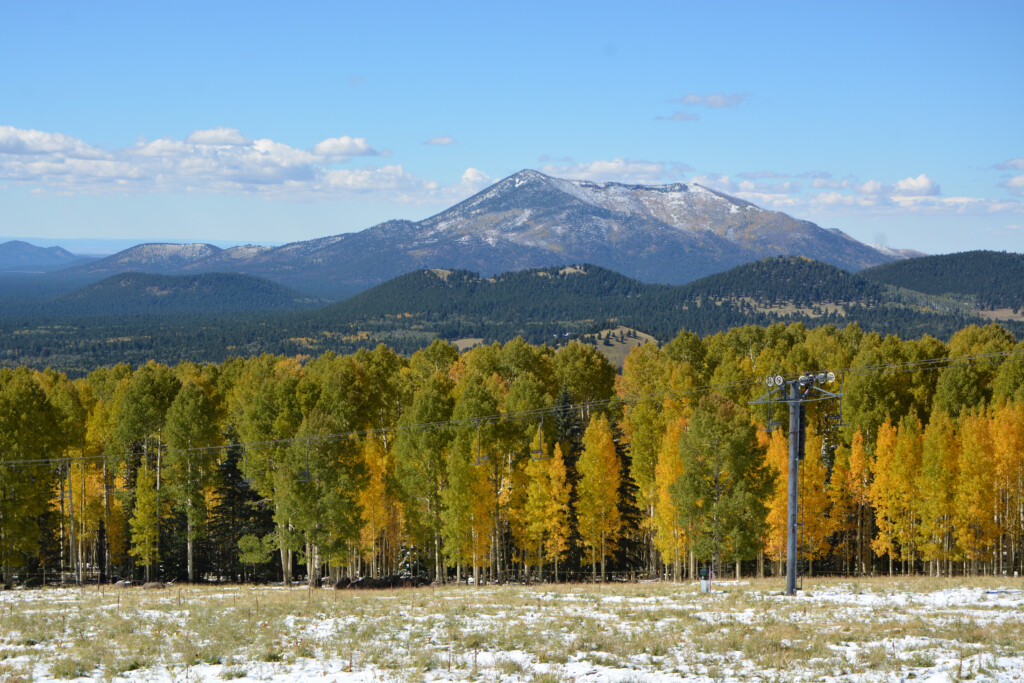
852, 630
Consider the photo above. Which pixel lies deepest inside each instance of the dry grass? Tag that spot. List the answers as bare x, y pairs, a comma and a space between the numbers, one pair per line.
869, 629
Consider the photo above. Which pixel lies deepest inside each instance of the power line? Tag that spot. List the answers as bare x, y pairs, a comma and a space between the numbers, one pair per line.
537, 413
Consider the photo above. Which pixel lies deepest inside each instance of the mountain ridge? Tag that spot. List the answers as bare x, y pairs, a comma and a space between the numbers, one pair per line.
668, 234
22, 256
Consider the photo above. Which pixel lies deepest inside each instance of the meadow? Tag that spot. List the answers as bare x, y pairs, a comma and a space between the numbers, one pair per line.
874, 629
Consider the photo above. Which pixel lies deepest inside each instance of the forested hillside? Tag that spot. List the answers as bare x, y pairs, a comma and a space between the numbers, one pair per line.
514, 461
547, 305
148, 293
995, 279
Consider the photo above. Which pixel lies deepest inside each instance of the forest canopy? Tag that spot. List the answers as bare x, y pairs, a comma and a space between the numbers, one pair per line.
518, 461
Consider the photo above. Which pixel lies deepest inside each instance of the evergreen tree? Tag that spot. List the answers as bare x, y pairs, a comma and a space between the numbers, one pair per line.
235, 511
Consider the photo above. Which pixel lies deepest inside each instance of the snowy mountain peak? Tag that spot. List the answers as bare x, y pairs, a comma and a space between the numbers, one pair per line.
657, 233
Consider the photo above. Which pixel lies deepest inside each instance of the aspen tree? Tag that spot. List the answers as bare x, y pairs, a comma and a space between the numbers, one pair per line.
777, 458
644, 424
1008, 443
670, 536
145, 521
558, 509
598, 513
28, 423
815, 511
975, 498
841, 504
858, 483
935, 486
381, 511
722, 492
191, 425
884, 493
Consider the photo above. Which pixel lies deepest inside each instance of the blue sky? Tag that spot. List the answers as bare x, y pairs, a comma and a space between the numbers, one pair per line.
896, 122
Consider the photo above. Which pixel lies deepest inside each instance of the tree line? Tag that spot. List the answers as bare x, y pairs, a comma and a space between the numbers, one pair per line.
517, 461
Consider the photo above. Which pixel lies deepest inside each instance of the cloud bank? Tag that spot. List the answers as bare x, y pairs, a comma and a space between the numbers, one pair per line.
217, 160
619, 170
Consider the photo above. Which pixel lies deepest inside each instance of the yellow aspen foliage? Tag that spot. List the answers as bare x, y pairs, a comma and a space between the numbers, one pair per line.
815, 514
481, 518
381, 511
883, 491
777, 457
1008, 444
939, 462
858, 485
858, 477
546, 509
558, 509
975, 498
896, 508
598, 509
669, 538
843, 510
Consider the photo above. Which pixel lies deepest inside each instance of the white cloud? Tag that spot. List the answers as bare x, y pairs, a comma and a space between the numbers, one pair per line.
871, 187
1016, 164
714, 100
217, 136
920, 194
474, 177
619, 170
219, 160
443, 141
921, 186
679, 116
35, 142
344, 147
720, 182
758, 175
823, 182
1014, 185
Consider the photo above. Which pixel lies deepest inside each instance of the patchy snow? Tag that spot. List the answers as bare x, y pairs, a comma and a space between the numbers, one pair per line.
177, 253
869, 630
246, 251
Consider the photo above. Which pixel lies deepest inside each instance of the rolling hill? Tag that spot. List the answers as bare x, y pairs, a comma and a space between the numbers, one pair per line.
992, 280
149, 293
545, 305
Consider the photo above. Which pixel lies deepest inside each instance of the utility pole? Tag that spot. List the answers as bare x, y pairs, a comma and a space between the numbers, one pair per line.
795, 442
795, 393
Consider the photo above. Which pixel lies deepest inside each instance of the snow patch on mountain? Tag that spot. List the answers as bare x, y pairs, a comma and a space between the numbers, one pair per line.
178, 253
900, 254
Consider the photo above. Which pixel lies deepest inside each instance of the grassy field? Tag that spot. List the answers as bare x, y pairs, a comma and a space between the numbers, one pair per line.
864, 630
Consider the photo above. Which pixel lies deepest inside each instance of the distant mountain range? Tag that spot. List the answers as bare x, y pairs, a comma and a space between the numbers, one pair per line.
17, 256
550, 305
669, 234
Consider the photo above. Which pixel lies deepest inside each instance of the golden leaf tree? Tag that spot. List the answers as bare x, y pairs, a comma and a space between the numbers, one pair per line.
598, 508
975, 497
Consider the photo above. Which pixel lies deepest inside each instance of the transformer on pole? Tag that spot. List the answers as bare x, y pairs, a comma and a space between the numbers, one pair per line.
796, 393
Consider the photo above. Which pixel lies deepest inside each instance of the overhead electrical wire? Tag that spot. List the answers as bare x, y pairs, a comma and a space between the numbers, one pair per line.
537, 413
